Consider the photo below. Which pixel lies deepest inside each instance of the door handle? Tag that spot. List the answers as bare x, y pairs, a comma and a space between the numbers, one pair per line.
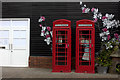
11, 47
92, 45
2, 47
67, 45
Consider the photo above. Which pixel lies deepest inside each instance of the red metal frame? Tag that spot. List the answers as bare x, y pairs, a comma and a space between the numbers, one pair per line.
61, 59
85, 46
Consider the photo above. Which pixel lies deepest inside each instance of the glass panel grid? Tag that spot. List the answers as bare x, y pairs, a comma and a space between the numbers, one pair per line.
19, 23
4, 34
19, 34
61, 50
84, 47
5, 23
4, 41
19, 43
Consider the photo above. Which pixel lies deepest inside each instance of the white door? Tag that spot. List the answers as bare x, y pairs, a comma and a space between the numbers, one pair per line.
18, 45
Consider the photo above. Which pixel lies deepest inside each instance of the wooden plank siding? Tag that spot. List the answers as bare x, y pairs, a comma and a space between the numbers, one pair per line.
53, 11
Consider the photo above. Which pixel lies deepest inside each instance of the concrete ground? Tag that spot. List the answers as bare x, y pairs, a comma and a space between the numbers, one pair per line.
46, 73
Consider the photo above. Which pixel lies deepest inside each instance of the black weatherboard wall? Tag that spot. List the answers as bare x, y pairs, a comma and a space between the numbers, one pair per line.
53, 11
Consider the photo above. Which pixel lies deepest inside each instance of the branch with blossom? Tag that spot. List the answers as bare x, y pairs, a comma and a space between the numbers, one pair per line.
109, 26
46, 31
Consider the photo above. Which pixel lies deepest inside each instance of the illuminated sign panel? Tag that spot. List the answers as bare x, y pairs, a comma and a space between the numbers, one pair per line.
84, 24
61, 24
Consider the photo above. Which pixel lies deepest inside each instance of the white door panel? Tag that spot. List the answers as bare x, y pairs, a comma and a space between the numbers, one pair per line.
5, 57
4, 47
21, 60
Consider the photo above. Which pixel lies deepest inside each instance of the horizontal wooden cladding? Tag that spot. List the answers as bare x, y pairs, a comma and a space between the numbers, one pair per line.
57, 7
119, 9
54, 11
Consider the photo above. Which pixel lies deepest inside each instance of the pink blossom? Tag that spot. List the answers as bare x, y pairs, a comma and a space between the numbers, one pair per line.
83, 11
104, 17
40, 25
43, 31
47, 36
43, 18
108, 37
49, 28
92, 9
104, 29
116, 35
95, 20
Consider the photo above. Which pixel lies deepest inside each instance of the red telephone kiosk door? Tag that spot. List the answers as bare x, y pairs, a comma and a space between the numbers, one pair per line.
61, 46
85, 46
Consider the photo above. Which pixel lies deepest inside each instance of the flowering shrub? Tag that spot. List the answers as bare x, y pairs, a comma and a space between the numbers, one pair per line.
108, 31
45, 31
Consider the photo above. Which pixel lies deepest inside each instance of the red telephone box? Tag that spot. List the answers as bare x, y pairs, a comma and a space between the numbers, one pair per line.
61, 46
85, 46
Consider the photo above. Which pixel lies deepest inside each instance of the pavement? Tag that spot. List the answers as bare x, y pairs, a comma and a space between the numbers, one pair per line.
9, 72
